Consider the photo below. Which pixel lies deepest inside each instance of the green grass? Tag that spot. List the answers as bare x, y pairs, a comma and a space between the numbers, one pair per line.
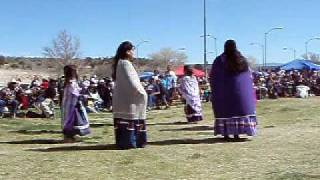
287, 147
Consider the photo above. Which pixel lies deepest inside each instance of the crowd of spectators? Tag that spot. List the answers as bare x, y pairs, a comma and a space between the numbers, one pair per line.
18, 96
294, 83
38, 99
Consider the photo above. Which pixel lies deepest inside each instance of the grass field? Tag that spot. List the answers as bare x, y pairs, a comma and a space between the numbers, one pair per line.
287, 147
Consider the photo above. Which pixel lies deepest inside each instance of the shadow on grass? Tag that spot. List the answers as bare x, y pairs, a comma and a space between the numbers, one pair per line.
168, 123
197, 141
105, 147
35, 141
270, 126
32, 132
97, 125
77, 148
296, 175
288, 109
194, 128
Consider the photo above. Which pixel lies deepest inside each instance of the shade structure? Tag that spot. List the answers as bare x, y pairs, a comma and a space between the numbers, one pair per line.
180, 72
300, 64
146, 75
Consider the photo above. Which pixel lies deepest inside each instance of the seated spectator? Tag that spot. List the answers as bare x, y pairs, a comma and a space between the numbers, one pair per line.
37, 96
23, 99
110, 86
94, 101
46, 107
8, 99
85, 83
94, 79
288, 88
35, 82
104, 93
272, 93
44, 84
152, 90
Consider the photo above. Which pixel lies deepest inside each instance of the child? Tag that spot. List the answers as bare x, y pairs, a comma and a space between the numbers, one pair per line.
74, 116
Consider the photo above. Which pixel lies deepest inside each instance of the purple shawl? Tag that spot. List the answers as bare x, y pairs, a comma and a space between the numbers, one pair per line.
232, 94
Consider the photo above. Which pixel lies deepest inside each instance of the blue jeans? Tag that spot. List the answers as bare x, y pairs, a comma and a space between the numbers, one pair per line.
2, 105
12, 105
151, 100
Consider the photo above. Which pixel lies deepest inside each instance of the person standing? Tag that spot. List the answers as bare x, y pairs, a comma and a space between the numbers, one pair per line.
232, 94
74, 116
170, 84
163, 96
189, 89
129, 101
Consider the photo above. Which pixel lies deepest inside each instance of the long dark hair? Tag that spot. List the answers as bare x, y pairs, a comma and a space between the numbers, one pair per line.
236, 63
50, 93
188, 70
70, 72
121, 54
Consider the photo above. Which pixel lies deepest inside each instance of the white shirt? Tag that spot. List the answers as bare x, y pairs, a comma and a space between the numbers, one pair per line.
302, 91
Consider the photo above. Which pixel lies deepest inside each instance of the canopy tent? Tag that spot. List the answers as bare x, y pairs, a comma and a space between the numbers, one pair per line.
300, 65
146, 75
180, 72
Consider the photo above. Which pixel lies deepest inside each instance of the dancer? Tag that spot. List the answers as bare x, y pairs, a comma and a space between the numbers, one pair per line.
129, 101
74, 116
232, 89
189, 89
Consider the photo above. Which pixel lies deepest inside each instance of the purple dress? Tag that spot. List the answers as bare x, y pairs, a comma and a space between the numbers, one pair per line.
74, 116
232, 100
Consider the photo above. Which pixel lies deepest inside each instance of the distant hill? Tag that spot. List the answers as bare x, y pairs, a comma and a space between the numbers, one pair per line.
48, 67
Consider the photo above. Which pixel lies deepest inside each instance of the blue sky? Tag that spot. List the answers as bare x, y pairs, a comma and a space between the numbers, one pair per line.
29, 25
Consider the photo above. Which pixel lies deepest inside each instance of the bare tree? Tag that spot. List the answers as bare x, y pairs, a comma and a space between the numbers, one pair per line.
2, 60
304, 56
104, 70
168, 56
312, 57
64, 48
252, 61
315, 57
